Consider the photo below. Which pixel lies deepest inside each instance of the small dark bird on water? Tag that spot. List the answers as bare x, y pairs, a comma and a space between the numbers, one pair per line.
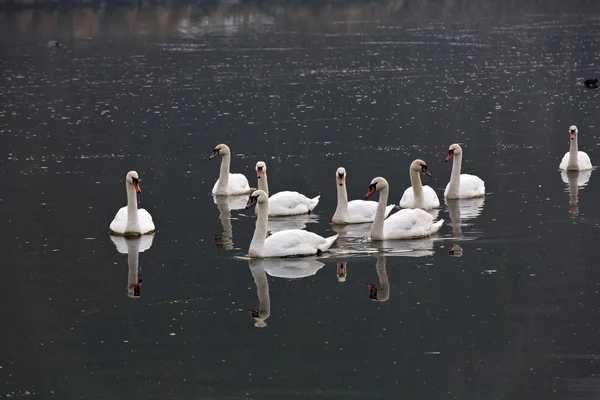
591, 83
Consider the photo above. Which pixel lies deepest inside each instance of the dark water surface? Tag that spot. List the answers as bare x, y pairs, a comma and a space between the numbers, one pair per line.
307, 88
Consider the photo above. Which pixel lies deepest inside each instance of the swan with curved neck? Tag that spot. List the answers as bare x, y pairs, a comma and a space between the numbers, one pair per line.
409, 223
286, 202
417, 195
462, 186
228, 183
355, 211
289, 243
575, 160
129, 221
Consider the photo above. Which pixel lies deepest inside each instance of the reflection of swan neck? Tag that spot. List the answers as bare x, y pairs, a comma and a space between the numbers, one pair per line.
260, 231
415, 182
263, 183
383, 292
225, 240
377, 228
133, 280
341, 271
454, 210
262, 290
454, 185
573, 178
224, 173
133, 222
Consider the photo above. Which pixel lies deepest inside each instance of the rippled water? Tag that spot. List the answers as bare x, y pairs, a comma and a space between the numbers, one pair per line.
500, 304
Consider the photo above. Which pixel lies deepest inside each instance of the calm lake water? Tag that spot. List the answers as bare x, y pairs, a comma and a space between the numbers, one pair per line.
306, 88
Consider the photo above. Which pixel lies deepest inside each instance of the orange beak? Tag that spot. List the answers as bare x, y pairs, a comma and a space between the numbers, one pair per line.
572, 135
340, 181
370, 192
450, 154
137, 187
259, 173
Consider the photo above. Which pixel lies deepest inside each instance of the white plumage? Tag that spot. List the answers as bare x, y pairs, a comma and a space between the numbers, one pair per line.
228, 184
417, 195
129, 220
462, 186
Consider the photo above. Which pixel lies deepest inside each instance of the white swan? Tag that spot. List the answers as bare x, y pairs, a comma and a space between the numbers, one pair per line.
228, 184
575, 160
462, 186
417, 195
129, 221
293, 242
355, 211
405, 224
286, 202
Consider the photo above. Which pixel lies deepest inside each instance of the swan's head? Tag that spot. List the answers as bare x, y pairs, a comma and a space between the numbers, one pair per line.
573, 131
260, 168
376, 184
134, 179
454, 149
420, 166
220, 150
341, 271
340, 176
258, 196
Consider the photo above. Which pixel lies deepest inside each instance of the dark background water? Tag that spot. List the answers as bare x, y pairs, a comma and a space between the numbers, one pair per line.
307, 88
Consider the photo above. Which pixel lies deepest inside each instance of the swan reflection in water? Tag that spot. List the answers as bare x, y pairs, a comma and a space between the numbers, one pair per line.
382, 291
225, 204
132, 247
575, 180
461, 210
291, 268
342, 271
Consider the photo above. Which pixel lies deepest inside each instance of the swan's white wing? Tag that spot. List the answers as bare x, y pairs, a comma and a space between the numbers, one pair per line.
238, 184
564, 162
410, 223
361, 211
295, 242
471, 186
431, 199
292, 268
146, 223
120, 221
289, 203
584, 161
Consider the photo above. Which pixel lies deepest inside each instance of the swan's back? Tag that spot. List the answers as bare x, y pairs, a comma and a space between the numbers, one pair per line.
583, 161
238, 184
296, 242
470, 186
410, 223
291, 203
430, 198
361, 211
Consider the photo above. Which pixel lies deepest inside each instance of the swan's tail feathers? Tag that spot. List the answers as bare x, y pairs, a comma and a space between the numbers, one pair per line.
328, 242
313, 203
389, 209
436, 226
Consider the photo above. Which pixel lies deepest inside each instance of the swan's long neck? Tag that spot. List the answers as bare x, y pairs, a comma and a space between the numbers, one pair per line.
573, 155
377, 228
263, 184
262, 290
341, 212
260, 231
133, 221
224, 174
454, 185
415, 181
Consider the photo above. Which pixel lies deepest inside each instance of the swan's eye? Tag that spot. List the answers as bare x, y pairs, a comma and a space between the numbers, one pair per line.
134, 180
341, 175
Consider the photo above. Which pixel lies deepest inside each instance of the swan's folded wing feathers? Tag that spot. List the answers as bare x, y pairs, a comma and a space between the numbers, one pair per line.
146, 223
292, 242
120, 221
471, 186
